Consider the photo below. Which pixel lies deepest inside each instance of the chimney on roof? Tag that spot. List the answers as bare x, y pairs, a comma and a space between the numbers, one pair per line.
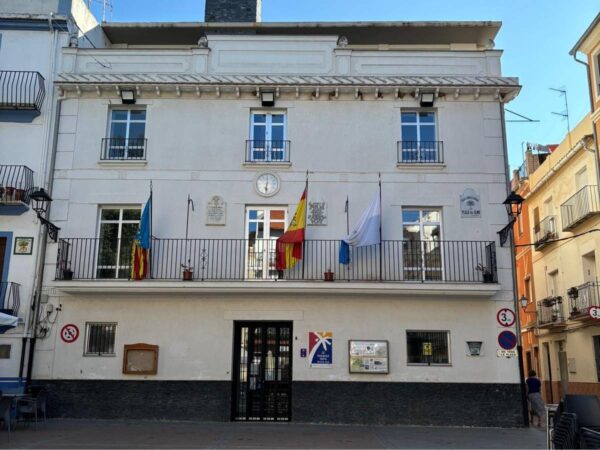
232, 11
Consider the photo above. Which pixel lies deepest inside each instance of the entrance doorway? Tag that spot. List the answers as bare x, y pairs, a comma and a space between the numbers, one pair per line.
262, 371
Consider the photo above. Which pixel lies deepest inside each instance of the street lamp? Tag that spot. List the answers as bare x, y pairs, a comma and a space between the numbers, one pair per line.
524, 302
513, 204
41, 200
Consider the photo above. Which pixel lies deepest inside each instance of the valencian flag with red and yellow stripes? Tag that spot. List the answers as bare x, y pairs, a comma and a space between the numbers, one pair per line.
289, 246
141, 245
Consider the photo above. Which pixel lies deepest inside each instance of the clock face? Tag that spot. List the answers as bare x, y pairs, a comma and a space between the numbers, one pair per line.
267, 184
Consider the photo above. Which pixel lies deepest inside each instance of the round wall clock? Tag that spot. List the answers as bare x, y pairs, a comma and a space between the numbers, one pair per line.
267, 184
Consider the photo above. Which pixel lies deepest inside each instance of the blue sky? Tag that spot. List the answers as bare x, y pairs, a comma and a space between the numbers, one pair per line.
536, 37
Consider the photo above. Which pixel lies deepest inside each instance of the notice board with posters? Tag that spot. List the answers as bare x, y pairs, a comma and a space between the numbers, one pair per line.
368, 356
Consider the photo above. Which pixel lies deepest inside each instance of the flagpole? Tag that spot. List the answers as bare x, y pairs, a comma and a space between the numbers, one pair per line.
380, 233
348, 229
305, 223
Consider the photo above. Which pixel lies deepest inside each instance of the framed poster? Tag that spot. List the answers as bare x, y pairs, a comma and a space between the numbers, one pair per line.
368, 357
320, 349
23, 246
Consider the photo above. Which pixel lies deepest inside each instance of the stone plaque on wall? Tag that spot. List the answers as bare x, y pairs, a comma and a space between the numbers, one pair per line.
317, 213
216, 211
470, 204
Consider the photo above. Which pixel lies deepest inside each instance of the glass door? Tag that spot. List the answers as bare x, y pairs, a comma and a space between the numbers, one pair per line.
264, 224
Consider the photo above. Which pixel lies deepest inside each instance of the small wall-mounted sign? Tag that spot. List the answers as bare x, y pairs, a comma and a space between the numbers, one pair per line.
69, 333
320, 349
216, 211
302, 353
470, 204
506, 317
317, 213
23, 246
501, 353
427, 349
474, 348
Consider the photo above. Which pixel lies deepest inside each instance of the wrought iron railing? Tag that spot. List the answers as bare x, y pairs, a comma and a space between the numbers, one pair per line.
420, 152
122, 149
268, 151
550, 311
545, 231
21, 90
588, 295
9, 298
255, 259
579, 206
16, 184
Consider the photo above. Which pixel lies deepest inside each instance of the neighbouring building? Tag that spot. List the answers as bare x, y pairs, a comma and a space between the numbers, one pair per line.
589, 45
563, 203
227, 122
32, 35
533, 157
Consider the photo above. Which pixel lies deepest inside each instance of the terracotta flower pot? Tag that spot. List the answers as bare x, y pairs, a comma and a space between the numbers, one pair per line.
19, 195
328, 276
188, 275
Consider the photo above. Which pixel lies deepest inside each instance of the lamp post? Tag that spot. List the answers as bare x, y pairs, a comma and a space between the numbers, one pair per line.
514, 205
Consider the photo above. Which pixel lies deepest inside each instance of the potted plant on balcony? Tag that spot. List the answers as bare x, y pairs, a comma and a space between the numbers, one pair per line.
188, 272
488, 276
67, 272
328, 275
9, 193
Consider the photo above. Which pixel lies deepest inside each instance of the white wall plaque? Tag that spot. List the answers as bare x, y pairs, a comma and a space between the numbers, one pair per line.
470, 205
216, 211
317, 213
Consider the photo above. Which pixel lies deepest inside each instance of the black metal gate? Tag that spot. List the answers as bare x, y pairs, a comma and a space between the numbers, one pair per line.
262, 371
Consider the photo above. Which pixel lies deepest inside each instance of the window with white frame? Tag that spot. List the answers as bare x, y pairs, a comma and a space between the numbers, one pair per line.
268, 137
100, 338
422, 251
428, 347
419, 138
127, 134
117, 229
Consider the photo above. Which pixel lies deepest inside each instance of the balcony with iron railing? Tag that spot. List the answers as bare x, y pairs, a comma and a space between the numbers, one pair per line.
255, 260
582, 298
22, 94
123, 149
10, 301
267, 152
420, 152
544, 232
16, 185
550, 313
580, 206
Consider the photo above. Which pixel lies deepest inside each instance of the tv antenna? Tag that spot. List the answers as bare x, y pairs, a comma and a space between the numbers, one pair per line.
107, 7
564, 114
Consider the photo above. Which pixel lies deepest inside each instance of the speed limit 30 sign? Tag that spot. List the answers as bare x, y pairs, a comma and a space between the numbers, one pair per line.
69, 333
506, 317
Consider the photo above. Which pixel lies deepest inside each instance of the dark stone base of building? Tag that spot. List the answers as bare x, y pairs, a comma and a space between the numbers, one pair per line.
389, 403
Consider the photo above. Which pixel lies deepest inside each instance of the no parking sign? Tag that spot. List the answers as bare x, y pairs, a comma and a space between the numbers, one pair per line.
69, 333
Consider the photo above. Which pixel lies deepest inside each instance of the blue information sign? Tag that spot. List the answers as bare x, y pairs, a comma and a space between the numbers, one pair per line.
507, 340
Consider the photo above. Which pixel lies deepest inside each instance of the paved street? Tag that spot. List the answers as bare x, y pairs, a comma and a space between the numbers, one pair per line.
143, 434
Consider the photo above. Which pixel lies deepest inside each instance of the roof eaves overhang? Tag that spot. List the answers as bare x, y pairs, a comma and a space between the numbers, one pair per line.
585, 35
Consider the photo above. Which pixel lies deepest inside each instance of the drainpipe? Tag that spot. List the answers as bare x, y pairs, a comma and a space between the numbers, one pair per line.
39, 274
524, 407
591, 97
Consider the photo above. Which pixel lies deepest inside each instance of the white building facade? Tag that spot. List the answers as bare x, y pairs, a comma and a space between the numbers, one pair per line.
32, 35
231, 120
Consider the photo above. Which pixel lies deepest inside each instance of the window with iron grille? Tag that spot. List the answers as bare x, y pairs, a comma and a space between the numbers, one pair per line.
100, 338
428, 347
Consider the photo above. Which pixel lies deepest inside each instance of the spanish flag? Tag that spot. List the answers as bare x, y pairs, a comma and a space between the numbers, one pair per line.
141, 245
289, 245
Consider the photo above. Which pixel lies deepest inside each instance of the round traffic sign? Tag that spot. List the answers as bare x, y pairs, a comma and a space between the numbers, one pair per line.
507, 340
69, 333
506, 317
594, 312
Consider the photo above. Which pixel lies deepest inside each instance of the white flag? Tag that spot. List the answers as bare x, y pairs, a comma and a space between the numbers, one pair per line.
366, 231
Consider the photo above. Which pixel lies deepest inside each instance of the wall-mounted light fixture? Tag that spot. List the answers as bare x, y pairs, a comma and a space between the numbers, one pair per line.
524, 301
41, 200
128, 96
427, 99
267, 98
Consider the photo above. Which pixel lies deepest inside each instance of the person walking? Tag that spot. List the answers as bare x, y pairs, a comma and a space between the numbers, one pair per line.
536, 402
